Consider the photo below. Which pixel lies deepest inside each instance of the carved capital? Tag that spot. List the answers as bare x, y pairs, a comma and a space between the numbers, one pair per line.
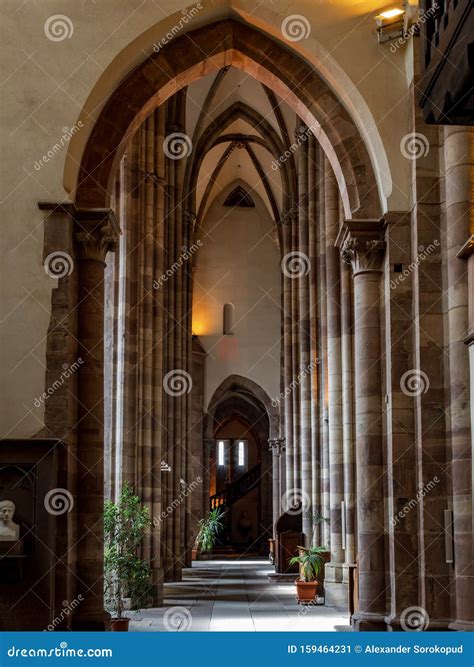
277, 445
301, 133
96, 233
362, 245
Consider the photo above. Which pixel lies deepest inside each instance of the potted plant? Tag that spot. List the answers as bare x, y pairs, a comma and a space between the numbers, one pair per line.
126, 574
311, 562
209, 529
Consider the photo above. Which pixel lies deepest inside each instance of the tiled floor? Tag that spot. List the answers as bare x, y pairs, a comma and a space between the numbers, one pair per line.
232, 595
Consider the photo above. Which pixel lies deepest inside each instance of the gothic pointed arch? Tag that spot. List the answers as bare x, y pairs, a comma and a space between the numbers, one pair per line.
210, 48
241, 389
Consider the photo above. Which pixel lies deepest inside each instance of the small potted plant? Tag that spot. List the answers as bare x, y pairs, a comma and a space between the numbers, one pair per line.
126, 574
311, 562
209, 529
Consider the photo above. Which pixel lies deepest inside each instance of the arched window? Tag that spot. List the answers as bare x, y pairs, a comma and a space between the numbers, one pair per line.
228, 319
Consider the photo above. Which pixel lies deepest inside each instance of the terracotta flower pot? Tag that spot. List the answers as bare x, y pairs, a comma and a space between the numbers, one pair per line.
306, 591
119, 624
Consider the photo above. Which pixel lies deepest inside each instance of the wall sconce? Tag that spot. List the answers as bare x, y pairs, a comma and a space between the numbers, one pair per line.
391, 24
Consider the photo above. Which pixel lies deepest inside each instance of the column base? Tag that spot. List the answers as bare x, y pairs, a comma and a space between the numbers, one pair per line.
461, 626
335, 588
367, 622
394, 624
98, 622
346, 572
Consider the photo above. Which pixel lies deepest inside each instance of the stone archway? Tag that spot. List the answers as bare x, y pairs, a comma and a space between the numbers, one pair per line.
246, 389
200, 52
95, 233
238, 391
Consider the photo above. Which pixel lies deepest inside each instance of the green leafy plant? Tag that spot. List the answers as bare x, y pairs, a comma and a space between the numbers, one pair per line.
126, 574
209, 529
311, 562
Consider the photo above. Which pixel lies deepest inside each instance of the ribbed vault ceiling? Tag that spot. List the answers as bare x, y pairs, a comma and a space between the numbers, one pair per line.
239, 150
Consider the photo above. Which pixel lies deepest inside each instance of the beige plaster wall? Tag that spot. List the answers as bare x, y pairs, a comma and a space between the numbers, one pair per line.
238, 263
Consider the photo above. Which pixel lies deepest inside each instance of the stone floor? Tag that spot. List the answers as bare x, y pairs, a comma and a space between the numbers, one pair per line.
234, 595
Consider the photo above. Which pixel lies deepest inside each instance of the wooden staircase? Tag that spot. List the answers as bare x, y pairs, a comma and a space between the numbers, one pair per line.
236, 489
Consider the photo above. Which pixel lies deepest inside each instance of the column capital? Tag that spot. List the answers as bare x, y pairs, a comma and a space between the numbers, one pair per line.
96, 233
277, 445
96, 230
362, 244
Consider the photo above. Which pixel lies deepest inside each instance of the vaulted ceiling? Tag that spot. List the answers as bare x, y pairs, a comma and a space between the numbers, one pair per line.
239, 129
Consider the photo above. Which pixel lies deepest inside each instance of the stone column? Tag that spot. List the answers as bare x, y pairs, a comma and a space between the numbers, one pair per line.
427, 385
403, 544
363, 246
314, 201
457, 160
323, 370
96, 233
348, 417
287, 221
277, 447
336, 593
304, 337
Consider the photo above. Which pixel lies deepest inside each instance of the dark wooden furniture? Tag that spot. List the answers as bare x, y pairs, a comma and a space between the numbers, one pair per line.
288, 536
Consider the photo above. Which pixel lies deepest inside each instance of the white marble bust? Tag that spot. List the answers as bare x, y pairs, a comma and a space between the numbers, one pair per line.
9, 530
